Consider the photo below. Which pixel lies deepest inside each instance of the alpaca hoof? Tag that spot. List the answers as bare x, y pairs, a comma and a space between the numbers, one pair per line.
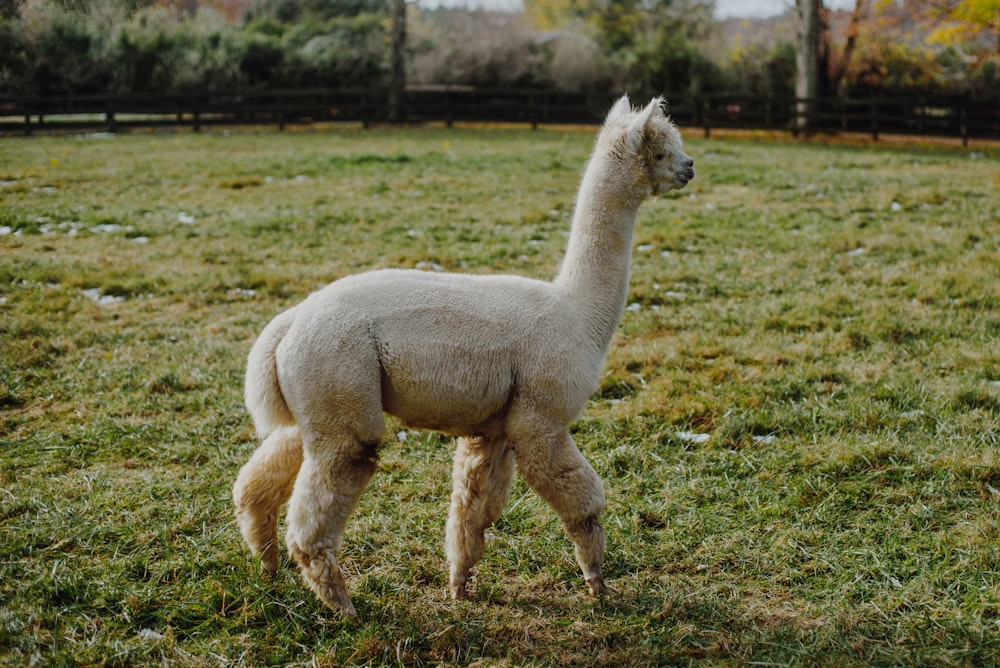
457, 591
262, 538
270, 564
345, 607
598, 588
269, 557
323, 576
334, 597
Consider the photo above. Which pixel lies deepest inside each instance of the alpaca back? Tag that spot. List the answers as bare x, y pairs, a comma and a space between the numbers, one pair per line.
450, 349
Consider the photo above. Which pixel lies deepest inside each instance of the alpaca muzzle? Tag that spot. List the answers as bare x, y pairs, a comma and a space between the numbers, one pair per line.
686, 173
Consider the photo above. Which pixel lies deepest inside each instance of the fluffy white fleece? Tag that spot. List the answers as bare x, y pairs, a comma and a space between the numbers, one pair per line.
503, 362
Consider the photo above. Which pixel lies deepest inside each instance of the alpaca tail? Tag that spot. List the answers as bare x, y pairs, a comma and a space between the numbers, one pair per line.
262, 392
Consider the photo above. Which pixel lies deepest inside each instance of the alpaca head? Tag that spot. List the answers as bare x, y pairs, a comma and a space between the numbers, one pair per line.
648, 144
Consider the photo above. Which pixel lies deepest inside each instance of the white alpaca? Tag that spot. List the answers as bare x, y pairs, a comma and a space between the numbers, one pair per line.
503, 362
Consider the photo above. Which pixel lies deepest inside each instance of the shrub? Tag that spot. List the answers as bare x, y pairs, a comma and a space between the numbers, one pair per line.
261, 58
576, 63
14, 61
670, 61
338, 52
480, 47
61, 53
886, 65
763, 72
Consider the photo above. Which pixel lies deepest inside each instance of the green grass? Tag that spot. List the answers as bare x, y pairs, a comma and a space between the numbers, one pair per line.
827, 316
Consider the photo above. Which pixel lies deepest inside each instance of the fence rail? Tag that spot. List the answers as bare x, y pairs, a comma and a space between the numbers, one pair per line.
965, 117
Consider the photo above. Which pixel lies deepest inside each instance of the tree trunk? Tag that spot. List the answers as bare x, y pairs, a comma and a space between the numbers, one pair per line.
843, 63
397, 66
806, 59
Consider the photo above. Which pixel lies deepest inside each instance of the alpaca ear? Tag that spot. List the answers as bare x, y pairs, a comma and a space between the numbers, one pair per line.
637, 128
619, 108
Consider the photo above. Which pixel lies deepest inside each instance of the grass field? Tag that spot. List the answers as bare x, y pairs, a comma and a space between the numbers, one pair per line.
798, 426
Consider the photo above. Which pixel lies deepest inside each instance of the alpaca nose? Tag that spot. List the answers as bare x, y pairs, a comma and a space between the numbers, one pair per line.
687, 164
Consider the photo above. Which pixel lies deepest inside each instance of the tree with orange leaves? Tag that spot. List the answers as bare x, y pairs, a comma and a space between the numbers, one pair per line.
964, 21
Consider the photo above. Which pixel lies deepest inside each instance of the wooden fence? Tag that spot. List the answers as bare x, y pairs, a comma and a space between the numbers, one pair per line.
964, 117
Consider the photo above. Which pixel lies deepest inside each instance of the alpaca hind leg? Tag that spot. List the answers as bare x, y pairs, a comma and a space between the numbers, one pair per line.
262, 486
481, 479
332, 478
553, 466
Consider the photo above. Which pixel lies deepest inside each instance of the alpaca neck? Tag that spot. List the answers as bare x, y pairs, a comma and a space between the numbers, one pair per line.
595, 271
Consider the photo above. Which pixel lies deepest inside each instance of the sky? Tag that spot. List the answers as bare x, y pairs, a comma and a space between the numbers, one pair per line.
760, 8
747, 8
723, 8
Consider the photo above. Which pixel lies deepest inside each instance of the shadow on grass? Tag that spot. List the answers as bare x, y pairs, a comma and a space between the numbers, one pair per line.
674, 626
503, 627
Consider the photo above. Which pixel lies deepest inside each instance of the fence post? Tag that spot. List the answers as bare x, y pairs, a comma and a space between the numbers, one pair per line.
705, 118
109, 114
963, 120
874, 110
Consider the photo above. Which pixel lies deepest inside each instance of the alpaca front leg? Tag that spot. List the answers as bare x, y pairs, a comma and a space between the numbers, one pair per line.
553, 466
262, 486
481, 478
331, 481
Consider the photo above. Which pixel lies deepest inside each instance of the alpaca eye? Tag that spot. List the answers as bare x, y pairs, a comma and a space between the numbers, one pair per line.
659, 156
